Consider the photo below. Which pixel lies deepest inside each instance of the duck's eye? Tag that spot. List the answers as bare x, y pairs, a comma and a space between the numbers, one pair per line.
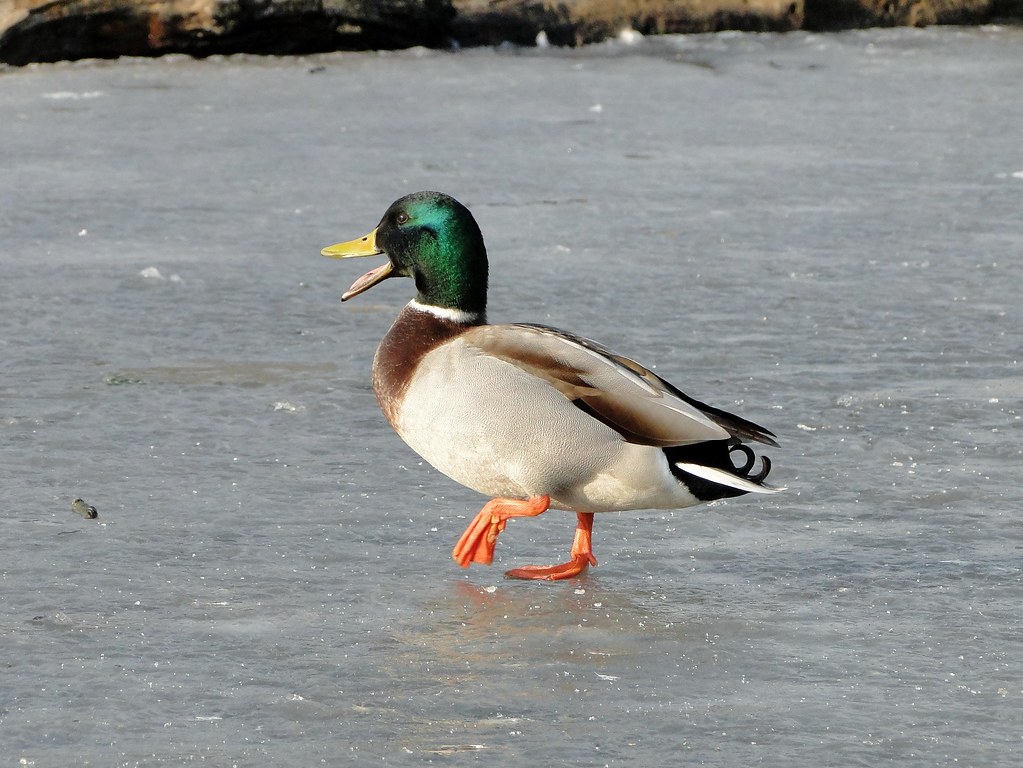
401, 218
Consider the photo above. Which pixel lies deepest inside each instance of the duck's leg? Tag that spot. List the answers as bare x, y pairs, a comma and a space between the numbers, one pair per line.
582, 556
477, 543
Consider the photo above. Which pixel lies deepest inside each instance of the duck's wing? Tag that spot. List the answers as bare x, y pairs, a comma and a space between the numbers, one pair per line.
641, 406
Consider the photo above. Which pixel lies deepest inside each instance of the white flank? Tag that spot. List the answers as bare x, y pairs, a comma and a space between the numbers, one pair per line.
724, 478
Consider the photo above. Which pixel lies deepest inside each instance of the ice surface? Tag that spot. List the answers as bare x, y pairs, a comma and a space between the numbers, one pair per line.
819, 232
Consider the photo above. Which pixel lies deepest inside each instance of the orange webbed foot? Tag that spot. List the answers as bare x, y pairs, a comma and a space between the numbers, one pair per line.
573, 567
476, 545
582, 556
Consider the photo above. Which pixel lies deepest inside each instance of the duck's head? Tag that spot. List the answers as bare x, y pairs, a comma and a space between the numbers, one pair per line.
432, 238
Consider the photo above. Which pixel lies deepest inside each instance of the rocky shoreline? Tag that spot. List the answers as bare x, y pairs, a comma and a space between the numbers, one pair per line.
55, 30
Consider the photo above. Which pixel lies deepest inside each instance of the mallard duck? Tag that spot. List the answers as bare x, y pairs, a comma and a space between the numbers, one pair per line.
528, 415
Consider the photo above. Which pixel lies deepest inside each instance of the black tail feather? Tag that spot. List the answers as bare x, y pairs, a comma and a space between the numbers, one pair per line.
717, 454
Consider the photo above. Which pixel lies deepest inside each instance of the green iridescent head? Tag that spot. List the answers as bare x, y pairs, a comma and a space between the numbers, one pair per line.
432, 238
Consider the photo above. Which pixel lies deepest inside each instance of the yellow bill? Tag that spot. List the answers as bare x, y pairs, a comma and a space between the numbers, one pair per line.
363, 246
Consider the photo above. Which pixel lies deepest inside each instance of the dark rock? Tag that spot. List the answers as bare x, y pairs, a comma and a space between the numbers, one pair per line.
825, 15
37, 30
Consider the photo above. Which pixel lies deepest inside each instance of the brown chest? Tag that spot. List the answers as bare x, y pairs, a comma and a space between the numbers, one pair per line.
414, 334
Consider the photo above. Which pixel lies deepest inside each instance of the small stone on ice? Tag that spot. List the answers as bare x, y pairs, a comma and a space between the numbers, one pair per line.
80, 507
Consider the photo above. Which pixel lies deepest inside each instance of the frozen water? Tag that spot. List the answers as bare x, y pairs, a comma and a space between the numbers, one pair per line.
819, 232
